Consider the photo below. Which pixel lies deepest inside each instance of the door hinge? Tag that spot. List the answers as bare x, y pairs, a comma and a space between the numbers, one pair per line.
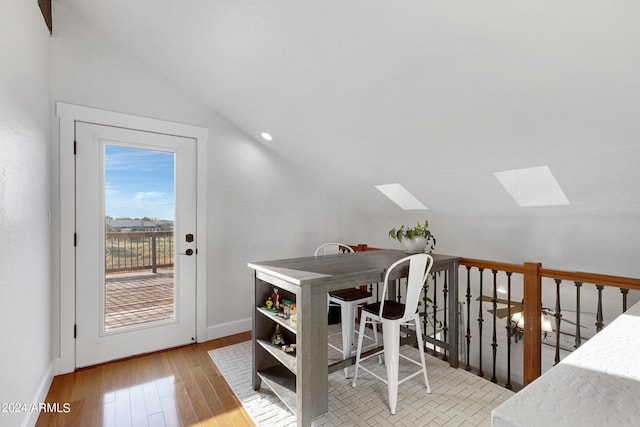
74, 147
75, 331
75, 240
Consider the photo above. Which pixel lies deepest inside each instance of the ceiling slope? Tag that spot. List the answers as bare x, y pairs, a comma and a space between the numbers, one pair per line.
436, 96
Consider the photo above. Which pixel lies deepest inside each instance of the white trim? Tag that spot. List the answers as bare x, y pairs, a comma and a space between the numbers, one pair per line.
40, 396
68, 115
228, 328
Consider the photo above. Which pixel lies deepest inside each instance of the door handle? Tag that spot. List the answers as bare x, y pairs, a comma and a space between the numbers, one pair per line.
188, 252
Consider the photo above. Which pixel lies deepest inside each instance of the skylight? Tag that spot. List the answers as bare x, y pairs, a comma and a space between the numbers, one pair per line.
533, 186
401, 197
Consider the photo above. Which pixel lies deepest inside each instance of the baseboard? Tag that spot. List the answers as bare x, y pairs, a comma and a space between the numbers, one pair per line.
41, 395
228, 328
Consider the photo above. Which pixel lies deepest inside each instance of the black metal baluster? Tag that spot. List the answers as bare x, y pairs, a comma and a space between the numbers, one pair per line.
624, 292
435, 309
445, 329
164, 247
558, 316
578, 342
494, 339
154, 254
468, 335
398, 291
118, 251
508, 385
425, 321
480, 322
599, 317
131, 253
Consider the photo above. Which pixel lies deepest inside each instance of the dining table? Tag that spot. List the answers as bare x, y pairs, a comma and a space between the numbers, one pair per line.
300, 378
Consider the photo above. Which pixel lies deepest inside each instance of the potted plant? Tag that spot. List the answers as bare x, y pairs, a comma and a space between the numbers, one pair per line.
416, 239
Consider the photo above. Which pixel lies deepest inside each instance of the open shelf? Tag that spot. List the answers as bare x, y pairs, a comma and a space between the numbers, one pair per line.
283, 383
285, 323
287, 359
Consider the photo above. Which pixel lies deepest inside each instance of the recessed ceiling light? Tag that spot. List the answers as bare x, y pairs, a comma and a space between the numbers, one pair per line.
266, 136
533, 186
401, 197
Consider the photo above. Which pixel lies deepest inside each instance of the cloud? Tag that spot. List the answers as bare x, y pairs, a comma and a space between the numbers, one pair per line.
148, 195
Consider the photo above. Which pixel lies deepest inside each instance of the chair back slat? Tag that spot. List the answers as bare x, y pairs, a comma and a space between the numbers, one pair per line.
333, 249
419, 268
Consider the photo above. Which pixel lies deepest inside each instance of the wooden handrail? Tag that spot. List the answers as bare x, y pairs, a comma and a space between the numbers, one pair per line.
599, 279
492, 265
136, 234
361, 247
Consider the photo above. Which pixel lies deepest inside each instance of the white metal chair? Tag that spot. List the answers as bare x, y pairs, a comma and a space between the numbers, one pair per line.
348, 300
392, 315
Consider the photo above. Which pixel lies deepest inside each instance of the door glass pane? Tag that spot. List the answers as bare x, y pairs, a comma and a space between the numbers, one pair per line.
139, 240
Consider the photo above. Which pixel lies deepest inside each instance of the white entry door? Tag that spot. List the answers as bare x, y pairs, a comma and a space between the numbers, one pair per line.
135, 242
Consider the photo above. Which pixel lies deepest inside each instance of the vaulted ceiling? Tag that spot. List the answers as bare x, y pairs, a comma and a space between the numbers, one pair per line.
433, 95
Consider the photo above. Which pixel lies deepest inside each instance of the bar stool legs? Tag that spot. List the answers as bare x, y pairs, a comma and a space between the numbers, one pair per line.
348, 311
391, 342
392, 314
421, 348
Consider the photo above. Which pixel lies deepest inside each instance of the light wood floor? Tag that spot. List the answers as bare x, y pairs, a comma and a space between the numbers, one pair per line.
177, 387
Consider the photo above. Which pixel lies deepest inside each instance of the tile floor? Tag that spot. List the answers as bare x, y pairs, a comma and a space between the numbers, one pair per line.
458, 398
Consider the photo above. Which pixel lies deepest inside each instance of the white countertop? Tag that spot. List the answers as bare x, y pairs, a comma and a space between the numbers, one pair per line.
596, 385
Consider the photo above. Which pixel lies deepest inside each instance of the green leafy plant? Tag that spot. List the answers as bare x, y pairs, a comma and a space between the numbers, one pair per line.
411, 232
437, 325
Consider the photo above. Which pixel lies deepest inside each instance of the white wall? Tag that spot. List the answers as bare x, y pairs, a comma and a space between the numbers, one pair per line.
260, 207
577, 241
25, 284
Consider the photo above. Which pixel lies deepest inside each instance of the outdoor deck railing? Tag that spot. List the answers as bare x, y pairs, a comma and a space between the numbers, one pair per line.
138, 250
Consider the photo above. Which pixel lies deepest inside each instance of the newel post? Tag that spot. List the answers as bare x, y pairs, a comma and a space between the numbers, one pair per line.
532, 328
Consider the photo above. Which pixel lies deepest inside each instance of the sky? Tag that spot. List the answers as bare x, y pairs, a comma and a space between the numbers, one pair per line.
139, 183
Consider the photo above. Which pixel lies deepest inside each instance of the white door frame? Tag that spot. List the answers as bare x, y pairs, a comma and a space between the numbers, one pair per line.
68, 114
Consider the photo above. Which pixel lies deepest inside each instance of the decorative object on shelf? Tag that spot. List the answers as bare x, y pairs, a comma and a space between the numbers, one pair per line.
286, 307
289, 348
276, 299
416, 239
277, 339
273, 303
